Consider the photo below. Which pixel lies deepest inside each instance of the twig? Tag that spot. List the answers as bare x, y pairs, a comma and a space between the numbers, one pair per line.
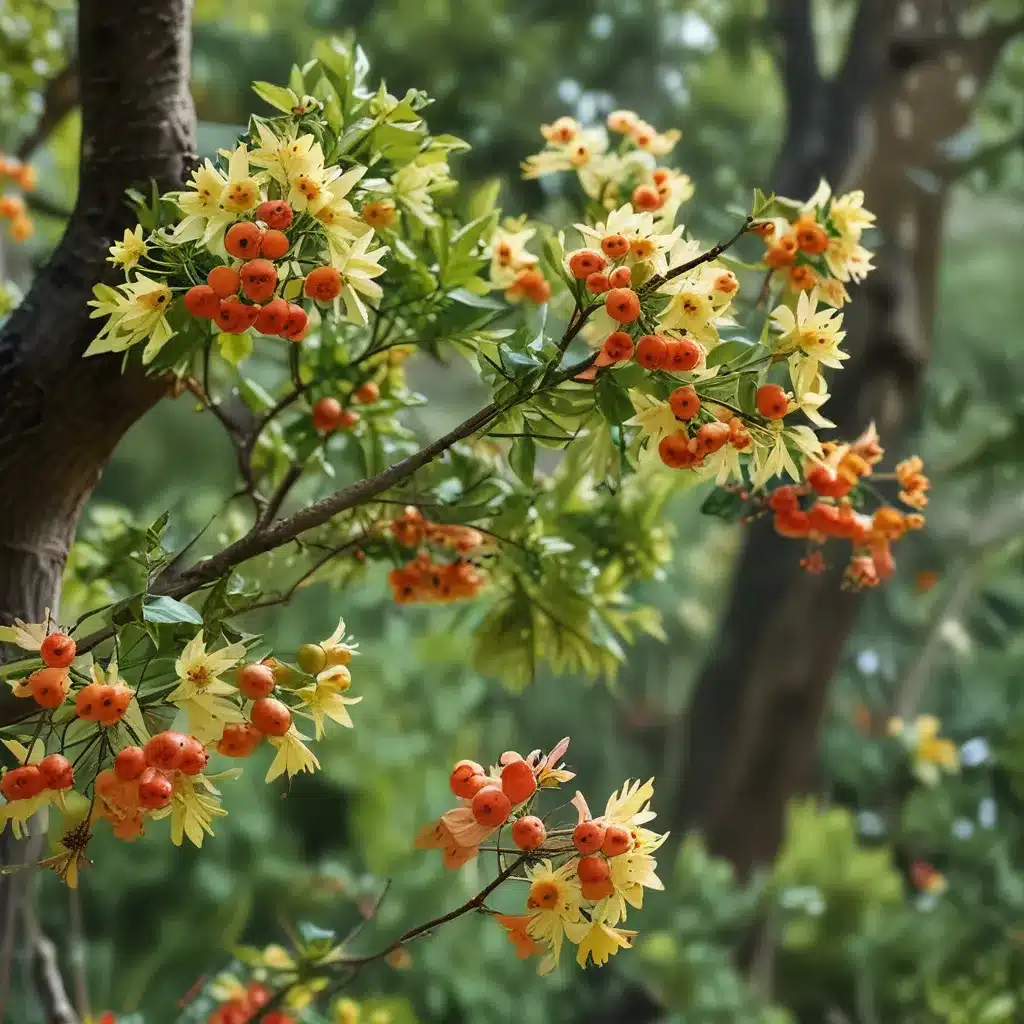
77, 950
705, 257
278, 497
57, 1006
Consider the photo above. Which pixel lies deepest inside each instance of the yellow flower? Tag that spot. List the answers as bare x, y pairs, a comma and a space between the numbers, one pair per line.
692, 311
932, 754
509, 255
413, 186
135, 311
654, 142
554, 903
358, 269
335, 212
631, 805
192, 810
337, 649
817, 332
849, 217
202, 694
600, 941
293, 756
324, 698
129, 250
848, 260
27, 635
200, 204
656, 420
810, 392
286, 157
577, 154
551, 774
346, 1011
241, 193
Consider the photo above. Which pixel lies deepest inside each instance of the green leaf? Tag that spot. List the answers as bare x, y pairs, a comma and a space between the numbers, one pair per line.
727, 505
467, 298
235, 348
167, 609
727, 351
276, 95
255, 395
521, 457
746, 394
613, 399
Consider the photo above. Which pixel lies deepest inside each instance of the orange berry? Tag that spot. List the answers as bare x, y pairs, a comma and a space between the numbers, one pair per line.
57, 772
272, 317
802, 278
381, 214
240, 739
367, 393
771, 401
622, 305
617, 841
782, 253
234, 316
543, 894
323, 284
202, 301
491, 807
57, 650
592, 869
711, 437
259, 279
224, 281
620, 277
596, 891
22, 228
518, 781
295, 325
155, 789
585, 262
674, 451
87, 701
129, 763
275, 213
683, 355
811, 237
588, 836
529, 833
598, 284
684, 402
618, 346
244, 240
614, 246
275, 244
348, 419
271, 716
165, 750
462, 780
651, 351
49, 687
113, 704
193, 758
22, 783
646, 197
255, 681
326, 414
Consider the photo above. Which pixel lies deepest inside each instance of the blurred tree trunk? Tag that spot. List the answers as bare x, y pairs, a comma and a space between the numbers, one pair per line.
60, 415
906, 85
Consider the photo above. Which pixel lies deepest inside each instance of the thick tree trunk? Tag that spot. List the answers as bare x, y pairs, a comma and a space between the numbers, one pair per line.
60, 415
756, 714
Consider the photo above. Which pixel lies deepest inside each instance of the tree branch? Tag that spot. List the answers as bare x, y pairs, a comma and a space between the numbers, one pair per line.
59, 99
49, 982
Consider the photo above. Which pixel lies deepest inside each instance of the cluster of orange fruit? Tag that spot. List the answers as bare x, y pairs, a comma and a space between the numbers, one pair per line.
259, 243
796, 250
330, 415
831, 514
243, 1009
422, 580
12, 207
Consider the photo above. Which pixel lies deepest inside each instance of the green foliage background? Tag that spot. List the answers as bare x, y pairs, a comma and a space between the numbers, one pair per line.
852, 938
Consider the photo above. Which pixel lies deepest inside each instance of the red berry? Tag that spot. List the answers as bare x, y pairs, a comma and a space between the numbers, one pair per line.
367, 393
49, 686
651, 351
129, 763
323, 284
646, 197
585, 262
255, 681
326, 414
155, 789
165, 750
240, 739
224, 281
295, 326
491, 807
275, 213
113, 704
618, 346
348, 419
275, 244
529, 833
518, 781
272, 317
57, 650
259, 279
592, 870
202, 301
615, 246
87, 701
596, 891
622, 305
620, 277
57, 772
193, 758
682, 355
598, 284
463, 779
243, 240
22, 783
617, 841
588, 836
684, 402
771, 401
271, 716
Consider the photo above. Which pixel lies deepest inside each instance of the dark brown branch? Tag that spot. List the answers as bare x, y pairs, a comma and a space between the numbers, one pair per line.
59, 99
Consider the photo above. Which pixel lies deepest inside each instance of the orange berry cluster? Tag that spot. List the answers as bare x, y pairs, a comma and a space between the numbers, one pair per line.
243, 1009
913, 483
597, 843
688, 447
492, 803
529, 284
423, 580
330, 415
259, 243
797, 251
53, 772
12, 207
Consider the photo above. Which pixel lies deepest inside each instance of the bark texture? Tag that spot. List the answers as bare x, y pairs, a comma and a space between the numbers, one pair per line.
61, 415
906, 85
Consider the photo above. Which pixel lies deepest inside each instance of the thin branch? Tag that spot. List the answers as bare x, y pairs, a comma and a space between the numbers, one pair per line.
59, 99
57, 1006
278, 497
705, 257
